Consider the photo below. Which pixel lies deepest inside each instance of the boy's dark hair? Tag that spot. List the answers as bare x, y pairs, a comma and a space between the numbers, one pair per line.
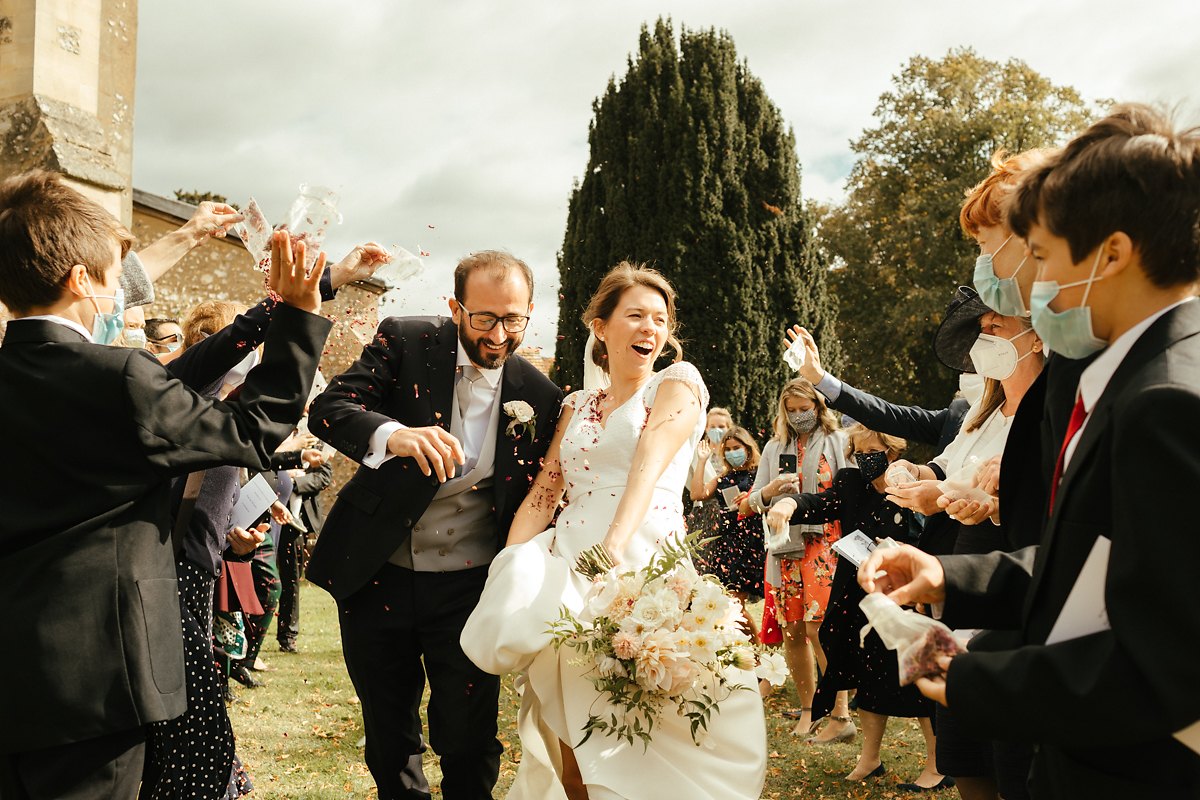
1129, 172
46, 227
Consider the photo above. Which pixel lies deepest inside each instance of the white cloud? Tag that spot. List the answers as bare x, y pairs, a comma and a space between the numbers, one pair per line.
472, 116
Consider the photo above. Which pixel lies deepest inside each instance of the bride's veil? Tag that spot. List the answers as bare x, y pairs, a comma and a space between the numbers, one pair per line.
594, 376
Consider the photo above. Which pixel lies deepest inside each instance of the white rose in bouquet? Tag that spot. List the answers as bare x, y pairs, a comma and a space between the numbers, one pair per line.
684, 674
657, 609
611, 667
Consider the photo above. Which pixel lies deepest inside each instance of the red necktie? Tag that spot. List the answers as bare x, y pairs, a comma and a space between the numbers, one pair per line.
1078, 414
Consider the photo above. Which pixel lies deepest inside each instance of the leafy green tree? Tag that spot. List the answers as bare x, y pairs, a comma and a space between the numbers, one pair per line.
693, 171
896, 243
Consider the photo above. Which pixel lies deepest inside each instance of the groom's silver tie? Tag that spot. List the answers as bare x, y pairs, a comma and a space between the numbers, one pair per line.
467, 395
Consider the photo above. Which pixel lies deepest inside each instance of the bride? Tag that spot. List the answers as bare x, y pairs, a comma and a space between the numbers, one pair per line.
621, 453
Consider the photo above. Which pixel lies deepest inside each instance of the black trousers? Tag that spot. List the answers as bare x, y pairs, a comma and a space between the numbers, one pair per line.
399, 630
289, 551
961, 755
105, 768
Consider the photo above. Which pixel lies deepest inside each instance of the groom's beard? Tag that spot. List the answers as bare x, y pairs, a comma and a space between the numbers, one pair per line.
486, 358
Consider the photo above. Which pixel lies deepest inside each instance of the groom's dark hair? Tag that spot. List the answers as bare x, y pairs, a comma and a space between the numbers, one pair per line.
496, 260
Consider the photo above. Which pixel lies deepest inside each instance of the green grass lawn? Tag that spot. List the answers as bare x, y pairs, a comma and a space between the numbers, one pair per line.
299, 734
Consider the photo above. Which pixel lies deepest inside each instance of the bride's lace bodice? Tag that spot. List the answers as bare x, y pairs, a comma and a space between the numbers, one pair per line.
596, 458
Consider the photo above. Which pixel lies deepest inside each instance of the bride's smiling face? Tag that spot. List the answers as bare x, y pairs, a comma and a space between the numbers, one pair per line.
636, 332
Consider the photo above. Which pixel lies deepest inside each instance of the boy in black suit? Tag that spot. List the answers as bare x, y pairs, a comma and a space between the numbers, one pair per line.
1114, 223
87, 577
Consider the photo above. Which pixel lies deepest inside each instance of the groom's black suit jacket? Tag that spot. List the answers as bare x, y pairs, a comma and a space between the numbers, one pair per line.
407, 374
89, 609
1102, 707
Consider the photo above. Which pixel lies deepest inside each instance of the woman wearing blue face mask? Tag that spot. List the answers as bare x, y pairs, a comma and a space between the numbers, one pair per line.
736, 557
707, 459
1004, 272
706, 466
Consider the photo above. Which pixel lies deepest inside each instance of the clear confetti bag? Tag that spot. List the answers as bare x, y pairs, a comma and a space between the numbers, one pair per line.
403, 266
961, 485
919, 641
255, 233
796, 355
313, 213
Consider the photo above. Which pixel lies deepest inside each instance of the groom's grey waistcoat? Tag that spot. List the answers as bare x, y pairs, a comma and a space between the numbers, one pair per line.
458, 529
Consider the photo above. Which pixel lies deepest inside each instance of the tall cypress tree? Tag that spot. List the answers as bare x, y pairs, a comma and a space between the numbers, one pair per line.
693, 171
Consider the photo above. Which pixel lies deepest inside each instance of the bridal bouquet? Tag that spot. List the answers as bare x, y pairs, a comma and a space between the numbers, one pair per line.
656, 637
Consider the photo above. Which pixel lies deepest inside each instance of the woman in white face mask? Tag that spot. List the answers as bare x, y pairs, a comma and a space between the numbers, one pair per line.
1008, 354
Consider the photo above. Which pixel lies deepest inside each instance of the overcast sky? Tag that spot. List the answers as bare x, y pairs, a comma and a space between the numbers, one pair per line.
460, 126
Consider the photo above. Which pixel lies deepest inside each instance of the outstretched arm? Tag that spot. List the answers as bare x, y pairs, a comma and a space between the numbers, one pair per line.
537, 509
911, 422
672, 419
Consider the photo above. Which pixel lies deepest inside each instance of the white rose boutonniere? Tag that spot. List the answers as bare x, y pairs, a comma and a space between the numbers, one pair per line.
521, 418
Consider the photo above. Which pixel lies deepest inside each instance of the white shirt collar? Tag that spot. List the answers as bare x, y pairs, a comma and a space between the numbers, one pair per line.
70, 323
1095, 378
492, 376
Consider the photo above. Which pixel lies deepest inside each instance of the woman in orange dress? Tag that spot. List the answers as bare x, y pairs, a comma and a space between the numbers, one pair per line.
803, 455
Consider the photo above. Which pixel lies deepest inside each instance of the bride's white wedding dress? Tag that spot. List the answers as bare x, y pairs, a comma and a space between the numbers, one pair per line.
529, 583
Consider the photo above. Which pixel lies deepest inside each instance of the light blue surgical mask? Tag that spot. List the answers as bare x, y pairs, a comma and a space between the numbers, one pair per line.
135, 337
736, 458
1069, 332
107, 326
1002, 295
715, 434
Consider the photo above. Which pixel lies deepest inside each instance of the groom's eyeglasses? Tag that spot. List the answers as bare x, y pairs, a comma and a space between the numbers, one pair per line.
484, 321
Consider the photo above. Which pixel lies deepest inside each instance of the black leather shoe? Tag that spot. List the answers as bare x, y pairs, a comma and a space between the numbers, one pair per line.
878, 772
242, 675
945, 783
288, 647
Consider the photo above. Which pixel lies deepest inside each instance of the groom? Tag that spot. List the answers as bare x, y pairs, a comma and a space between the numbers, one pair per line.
428, 410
